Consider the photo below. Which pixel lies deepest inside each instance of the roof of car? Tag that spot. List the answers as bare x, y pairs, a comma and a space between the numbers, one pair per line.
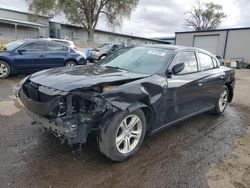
48, 39
177, 48
174, 47
41, 39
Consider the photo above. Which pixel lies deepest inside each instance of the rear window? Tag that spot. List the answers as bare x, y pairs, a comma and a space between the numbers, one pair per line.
62, 42
216, 62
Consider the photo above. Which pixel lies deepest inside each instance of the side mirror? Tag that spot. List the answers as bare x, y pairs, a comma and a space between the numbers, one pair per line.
178, 68
20, 51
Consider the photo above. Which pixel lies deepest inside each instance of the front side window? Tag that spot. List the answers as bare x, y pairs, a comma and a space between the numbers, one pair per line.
189, 59
56, 47
206, 62
33, 47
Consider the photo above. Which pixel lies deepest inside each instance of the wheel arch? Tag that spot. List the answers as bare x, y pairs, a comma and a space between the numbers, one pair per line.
12, 68
230, 89
148, 112
6, 61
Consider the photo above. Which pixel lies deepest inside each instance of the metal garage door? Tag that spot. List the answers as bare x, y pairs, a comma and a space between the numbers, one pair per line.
209, 43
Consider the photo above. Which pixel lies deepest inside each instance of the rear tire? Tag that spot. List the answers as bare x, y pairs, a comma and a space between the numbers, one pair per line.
4, 70
222, 101
121, 136
70, 64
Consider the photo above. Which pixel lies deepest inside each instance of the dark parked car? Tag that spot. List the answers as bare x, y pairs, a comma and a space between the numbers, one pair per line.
128, 95
25, 56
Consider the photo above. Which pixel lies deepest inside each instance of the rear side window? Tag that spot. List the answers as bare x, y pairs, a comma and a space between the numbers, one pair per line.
33, 47
190, 61
206, 62
56, 47
216, 63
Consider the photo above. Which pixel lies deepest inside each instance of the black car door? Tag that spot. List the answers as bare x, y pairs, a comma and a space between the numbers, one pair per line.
30, 56
212, 81
185, 93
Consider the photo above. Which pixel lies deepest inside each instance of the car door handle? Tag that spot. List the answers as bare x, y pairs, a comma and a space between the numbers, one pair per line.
41, 55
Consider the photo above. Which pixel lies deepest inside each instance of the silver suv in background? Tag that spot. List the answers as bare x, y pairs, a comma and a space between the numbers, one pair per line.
105, 49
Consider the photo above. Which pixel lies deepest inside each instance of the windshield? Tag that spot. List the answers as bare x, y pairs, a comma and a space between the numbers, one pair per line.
13, 45
140, 59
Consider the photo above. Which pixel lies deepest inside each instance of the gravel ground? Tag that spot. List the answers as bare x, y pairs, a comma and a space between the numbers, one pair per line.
203, 151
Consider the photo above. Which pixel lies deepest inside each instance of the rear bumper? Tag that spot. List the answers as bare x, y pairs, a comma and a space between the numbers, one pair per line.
82, 61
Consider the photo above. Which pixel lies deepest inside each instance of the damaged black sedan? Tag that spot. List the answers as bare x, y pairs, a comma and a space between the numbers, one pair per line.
133, 92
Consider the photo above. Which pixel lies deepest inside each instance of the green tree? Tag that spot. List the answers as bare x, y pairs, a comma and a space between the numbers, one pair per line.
85, 12
204, 16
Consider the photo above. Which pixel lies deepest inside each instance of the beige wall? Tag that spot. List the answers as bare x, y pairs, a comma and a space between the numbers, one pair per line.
44, 31
79, 36
186, 39
238, 44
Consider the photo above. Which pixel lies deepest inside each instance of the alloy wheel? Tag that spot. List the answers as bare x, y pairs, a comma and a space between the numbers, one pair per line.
3, 70
128, 134
71, 64
223, 100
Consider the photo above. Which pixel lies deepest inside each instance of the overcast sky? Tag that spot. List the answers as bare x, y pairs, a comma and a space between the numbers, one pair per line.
158, 18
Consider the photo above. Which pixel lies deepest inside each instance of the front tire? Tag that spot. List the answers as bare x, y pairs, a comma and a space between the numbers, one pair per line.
4, 70
222, 101
121, 136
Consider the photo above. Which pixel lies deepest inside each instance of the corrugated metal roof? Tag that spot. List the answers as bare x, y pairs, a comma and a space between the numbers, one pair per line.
20, 10
16, 9
19, 22
113, 33
216, 30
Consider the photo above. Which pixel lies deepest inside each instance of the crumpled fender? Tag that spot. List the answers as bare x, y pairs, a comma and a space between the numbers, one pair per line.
136, 106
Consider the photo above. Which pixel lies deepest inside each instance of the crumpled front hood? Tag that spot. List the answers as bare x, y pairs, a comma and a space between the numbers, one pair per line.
71, 78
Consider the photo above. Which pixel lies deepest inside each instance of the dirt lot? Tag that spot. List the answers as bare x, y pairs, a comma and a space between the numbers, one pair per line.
204, 151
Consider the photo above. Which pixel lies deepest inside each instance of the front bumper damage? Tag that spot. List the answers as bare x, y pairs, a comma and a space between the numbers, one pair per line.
68, 124
67, 130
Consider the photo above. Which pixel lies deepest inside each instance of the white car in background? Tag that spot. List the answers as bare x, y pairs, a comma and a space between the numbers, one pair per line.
68, 43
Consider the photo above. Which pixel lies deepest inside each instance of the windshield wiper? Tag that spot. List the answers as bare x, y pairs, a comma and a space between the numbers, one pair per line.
115, 67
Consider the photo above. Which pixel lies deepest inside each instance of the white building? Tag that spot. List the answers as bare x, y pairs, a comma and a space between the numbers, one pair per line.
227, 43
19, 24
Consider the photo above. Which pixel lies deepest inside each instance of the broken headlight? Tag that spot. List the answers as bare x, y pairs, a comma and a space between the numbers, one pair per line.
19, 86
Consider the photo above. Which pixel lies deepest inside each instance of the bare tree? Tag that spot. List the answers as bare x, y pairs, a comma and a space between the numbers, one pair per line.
85, 12
204, 16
